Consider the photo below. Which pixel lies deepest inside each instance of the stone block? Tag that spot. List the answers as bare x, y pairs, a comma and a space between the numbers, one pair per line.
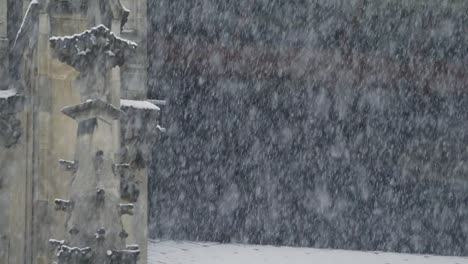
4, 248
91, 109
3, 18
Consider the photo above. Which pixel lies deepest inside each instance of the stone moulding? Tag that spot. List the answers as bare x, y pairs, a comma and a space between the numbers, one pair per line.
91, 109
97, 45
69, 165
114, 8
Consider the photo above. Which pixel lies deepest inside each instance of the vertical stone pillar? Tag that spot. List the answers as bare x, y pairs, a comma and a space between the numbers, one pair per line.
139, 133
48, 86
3, 45
134, 74
13, 179
94, 226
95, 233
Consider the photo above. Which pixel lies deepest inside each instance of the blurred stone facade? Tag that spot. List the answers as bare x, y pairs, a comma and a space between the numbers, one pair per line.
3, 41
336, 124
30, 171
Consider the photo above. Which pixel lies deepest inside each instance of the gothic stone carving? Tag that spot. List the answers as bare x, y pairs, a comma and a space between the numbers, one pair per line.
139, 130
93, 53
95, 229
96, 46
10, 127
129, 184
108, 10
139, 133
10, 130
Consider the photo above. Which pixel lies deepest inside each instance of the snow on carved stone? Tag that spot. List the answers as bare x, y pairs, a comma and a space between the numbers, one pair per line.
98, 45
7, 93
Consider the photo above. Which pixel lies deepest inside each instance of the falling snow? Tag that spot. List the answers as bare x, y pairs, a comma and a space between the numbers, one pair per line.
311, 130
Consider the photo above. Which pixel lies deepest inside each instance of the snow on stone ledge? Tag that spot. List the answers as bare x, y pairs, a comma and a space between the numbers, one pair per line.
7, 93
145, 105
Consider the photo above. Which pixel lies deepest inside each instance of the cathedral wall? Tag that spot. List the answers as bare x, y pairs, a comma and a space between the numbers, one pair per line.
50, 135
134, 72
54, 135
14, 188
3, 16
3, 42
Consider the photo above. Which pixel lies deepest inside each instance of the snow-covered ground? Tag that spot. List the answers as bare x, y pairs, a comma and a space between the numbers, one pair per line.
171, 252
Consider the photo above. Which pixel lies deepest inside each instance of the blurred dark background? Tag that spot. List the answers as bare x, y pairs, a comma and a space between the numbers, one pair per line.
337, 124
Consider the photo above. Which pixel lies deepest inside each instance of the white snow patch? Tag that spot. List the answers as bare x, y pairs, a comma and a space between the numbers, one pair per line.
171, 252
139, 104
78, 35
7, 93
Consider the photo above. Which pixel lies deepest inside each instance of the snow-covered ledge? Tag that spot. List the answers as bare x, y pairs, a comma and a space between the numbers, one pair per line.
137, 104
10, 102
92, 108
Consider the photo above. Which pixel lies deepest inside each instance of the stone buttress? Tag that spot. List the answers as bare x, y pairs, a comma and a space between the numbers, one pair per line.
94, 229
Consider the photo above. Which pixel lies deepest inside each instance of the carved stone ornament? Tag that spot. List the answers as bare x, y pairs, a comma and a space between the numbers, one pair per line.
129, 184
10, 130
93, 53
95, 230
139, 131
97, 48
110, 9
10, 127
92, 108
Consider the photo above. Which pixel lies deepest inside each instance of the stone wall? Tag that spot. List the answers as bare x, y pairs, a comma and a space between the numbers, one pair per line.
337, 124
3, 43
139, 133
14, 182
134, 73
48, 85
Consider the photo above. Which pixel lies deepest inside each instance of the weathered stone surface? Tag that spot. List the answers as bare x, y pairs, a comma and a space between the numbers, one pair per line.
10, 126
134, 74
3, 62
92, 109
11, 102
68, 165
14, 188
22, 52
49, 85
96, 47
93, 53
101, 13
94, 209
139, 132
4, 246
129, 184
10, 130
